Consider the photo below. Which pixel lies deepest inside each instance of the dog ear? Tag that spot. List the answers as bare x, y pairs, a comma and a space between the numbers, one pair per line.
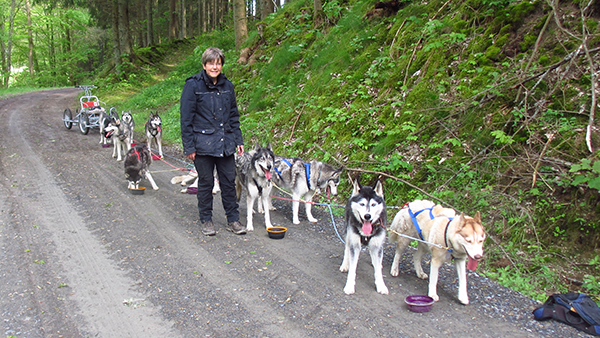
477, 218
461, 221
379, 188
356, 187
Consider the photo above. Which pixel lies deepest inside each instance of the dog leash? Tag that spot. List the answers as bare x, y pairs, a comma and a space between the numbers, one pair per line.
420, 240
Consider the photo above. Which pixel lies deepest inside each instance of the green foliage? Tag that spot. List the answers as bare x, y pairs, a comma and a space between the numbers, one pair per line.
587, 173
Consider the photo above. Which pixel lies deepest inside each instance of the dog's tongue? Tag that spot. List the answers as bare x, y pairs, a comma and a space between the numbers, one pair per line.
328, 191
367, 228
158, 128
267, 174
472, 264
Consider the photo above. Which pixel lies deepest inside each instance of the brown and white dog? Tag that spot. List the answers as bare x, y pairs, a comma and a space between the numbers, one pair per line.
448, 236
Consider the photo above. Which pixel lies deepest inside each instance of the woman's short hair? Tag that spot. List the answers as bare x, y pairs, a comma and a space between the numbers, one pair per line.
212, 54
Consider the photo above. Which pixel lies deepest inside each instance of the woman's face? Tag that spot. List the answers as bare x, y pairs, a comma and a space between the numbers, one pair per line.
213, 68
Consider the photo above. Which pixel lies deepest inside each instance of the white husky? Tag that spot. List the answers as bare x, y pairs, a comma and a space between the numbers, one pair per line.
449, 236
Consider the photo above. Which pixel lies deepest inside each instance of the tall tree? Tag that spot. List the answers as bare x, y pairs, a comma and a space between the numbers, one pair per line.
116, 40
266, 7
173, 19
149, 23
239, 23
124, 30
29, 37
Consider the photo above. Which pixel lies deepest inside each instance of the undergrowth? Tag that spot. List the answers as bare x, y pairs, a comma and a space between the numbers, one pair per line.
478, 105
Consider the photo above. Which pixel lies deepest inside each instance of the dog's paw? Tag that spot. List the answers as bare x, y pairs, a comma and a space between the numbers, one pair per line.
382, 289
249, 227
394, 271
344, 268
464, 301
435, 297
313, 220
272, 208
423, 275
349, 289
296, 221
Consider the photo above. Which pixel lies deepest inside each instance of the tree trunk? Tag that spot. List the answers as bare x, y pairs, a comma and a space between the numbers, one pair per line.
116, 39
11, 25
173, 20
239, 23
29, 36
183, 11
318, 13
124, 30
267, 7
149, 24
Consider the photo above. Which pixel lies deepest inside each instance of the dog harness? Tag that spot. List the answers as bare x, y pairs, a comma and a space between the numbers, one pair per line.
306, 165
413, 216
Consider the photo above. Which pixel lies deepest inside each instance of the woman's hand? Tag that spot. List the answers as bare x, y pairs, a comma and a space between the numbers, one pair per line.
240, 149
192, 156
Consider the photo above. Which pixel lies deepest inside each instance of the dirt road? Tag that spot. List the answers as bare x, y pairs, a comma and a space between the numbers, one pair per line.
82, 257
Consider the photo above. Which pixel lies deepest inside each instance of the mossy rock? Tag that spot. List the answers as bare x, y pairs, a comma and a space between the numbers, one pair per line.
493, 53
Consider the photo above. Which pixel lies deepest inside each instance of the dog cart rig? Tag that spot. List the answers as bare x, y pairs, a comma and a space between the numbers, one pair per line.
88, 114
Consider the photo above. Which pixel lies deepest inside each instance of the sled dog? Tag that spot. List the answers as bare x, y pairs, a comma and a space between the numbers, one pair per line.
128, 126
103, 121
193, 177
253, 173
116, 131
460, 236
154, 132
304, 180
366, 220
137, 161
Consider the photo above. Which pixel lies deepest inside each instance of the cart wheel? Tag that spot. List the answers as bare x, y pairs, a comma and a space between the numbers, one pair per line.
83, 123
68, 118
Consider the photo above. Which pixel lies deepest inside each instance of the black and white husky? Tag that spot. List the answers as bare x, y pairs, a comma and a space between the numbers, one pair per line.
154, 132
128, 126
254, 173
304, 180
366, 219
103, 121
116, 132
137, 161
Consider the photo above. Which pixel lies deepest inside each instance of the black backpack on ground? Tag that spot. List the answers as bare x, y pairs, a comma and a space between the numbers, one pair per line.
575, 309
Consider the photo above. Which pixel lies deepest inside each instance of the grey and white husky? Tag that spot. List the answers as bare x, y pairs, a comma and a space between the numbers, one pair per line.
137, 161
153, 129
366, 219
128, 126
304, 180
254, 173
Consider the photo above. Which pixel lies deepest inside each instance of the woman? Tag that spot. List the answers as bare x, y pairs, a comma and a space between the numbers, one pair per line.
211, 134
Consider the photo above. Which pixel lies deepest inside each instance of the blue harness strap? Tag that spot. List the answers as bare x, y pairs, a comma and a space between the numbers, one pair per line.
284, 161
307, 165
413, 216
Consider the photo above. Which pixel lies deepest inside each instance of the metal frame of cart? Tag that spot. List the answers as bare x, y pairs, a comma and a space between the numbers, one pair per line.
88, 114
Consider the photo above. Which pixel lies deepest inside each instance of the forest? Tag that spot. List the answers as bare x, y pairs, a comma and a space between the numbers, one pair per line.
486, 105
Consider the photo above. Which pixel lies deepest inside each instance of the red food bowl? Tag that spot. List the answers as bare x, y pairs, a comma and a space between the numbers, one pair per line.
419, 303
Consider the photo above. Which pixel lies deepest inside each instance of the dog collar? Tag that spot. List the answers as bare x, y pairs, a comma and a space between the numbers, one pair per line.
307, 165
284, 161
446, 234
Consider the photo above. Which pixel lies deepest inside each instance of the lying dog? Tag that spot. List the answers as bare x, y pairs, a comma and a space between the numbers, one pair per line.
253, 173
153, 129
137, 161
448, 237
366, 219
193, 177
304, 180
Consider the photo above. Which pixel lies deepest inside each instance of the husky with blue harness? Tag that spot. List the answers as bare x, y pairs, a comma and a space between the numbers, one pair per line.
441, 233
304, 180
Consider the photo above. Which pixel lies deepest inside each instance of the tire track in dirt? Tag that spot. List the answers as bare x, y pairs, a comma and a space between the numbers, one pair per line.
99, 288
